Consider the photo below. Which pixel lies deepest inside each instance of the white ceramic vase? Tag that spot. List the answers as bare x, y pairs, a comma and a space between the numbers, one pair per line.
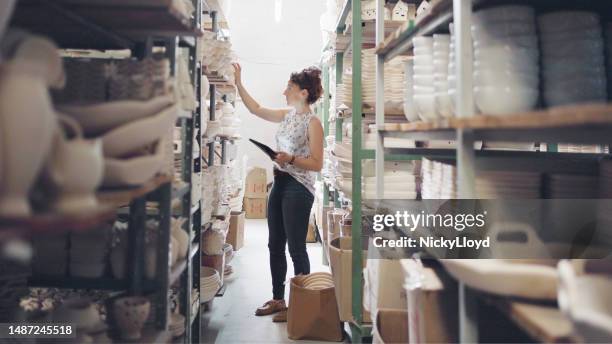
75, 168
27, 124
181, 237
130, 315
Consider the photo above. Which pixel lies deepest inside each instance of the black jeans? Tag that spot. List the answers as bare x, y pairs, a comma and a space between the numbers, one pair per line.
289, 208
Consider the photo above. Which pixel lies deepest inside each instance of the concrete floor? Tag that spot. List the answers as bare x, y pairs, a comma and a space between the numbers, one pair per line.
232, 318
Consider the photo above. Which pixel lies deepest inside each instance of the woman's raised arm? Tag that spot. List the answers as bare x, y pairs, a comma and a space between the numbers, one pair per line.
272, 115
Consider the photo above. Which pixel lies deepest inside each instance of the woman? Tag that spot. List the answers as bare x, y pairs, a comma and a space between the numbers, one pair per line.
299, 142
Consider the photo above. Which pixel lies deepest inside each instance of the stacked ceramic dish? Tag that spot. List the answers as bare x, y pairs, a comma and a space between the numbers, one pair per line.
216, 55
393, 81
441, 60
410, 110
139, 79
572, 57
423, 76
85, 81
438, 180
506, 60
574, 148
508, 185
88, 252
230, 123
210, 282
131, 133
318, 281
568, 186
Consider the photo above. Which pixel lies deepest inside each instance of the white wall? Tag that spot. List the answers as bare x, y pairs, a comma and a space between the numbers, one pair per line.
269, 52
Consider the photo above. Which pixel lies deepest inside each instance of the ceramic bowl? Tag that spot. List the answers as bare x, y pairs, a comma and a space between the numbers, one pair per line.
503, 29
501, 54
410, 111
422, 42
423, 60
135, 135
506, 65
493, 77
493, 100
132, 171
423, 51
130, 315
510, 42
214, 129
574, 47
100, 118
423, 90
560, 37
80, 312
562, 21
574, 95
423, 70
426, 106
508, 13
572, 65
424, 80
444, 105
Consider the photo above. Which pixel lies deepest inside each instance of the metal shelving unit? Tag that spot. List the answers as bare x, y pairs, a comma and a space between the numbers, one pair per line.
138, 26
581, 124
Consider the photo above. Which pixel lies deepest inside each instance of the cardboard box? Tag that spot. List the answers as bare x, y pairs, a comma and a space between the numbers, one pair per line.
433, 308
340, 259
235, 235
312, 313
255, 208
256, 183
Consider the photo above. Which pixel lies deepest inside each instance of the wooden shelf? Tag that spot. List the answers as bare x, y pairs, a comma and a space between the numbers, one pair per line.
121, 197
399, 41
586, 123
103, 24
343, 41
543, 323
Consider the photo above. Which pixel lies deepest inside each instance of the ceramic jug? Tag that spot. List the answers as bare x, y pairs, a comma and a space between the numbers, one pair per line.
75, 168
27, 122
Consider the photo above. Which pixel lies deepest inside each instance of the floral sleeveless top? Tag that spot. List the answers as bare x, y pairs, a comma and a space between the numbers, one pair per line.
292, 137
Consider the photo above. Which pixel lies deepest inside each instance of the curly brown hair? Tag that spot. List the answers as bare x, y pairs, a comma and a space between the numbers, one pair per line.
309, 79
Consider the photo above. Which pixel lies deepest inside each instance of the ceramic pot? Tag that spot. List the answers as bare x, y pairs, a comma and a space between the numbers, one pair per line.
80, 312
181, 237
130, 315
75, 168
27, 124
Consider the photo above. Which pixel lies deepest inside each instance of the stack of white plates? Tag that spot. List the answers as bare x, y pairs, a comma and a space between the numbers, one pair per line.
567, 186
410, 110
441, 59
573, 61
210, 282
506, 59
423, 76
508, 185
393, 81
438, 180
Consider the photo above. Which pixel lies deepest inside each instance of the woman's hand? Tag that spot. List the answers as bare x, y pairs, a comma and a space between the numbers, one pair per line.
237, 73
283, 158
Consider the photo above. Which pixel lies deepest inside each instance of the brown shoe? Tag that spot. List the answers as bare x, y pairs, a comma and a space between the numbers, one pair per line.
280, 317
271, 307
